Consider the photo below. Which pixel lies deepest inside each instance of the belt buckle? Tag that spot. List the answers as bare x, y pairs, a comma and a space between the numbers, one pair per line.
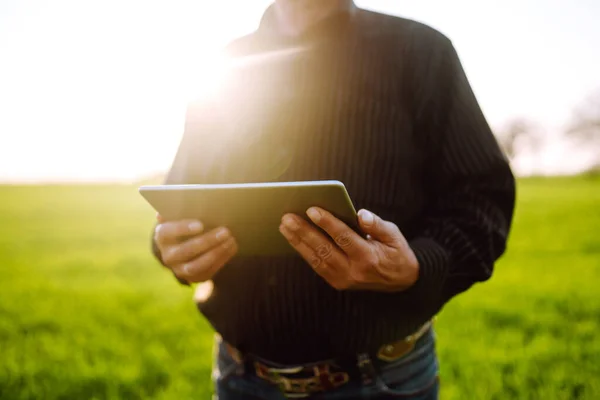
322, 380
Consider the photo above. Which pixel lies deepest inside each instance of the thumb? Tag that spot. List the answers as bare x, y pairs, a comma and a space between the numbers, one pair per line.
377, 228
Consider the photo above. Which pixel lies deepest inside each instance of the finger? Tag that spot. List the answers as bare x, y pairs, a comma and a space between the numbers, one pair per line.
173, 231
346, 239
204, 267
195, 246
321, 245
380, 230
321, 265
159, 218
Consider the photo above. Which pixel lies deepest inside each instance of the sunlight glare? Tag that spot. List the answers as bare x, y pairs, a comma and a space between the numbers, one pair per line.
203, 291
208, 77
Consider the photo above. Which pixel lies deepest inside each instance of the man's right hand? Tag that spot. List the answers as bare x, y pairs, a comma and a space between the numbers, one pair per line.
191, 254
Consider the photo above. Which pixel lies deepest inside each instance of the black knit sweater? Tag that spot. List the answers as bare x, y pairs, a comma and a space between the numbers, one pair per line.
382, 104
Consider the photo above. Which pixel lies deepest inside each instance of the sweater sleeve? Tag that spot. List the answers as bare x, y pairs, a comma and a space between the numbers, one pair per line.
471, 188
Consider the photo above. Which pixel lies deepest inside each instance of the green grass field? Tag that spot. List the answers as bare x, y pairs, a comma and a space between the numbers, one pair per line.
86, 313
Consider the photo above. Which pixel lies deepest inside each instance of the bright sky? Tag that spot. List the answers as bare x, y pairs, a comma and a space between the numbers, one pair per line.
95, 90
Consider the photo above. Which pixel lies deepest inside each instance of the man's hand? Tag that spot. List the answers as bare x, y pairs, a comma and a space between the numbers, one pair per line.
192, 255
383, 262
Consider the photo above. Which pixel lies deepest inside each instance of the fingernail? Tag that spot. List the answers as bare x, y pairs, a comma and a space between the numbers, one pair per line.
290, 237
222, 234
366, 217
195, 226
186, 269
290, 222
314, 214
283, 230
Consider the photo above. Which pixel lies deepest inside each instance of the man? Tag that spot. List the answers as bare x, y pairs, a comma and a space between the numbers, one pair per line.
325, 90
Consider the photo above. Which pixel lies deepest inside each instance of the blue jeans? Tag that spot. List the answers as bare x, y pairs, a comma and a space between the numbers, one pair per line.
412, 377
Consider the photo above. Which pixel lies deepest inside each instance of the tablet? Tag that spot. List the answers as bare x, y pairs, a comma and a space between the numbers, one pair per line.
252, 211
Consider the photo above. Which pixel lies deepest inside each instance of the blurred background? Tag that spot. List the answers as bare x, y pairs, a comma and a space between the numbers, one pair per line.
92, 99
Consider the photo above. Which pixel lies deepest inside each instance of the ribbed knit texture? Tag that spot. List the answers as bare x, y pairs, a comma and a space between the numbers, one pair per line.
382, 104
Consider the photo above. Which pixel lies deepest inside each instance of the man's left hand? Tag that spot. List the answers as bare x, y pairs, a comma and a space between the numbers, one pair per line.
382, 262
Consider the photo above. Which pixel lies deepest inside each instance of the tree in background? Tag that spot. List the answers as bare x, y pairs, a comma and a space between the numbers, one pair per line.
584, 127
517, 135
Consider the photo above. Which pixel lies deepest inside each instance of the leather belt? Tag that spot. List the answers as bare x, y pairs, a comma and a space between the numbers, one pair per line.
304, 380
393, 351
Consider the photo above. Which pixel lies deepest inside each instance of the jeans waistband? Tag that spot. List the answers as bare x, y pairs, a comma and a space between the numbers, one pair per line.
306, 379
